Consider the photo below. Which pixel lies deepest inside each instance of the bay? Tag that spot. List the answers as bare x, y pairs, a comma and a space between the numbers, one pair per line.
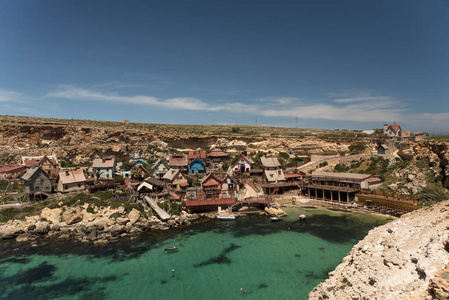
250, 258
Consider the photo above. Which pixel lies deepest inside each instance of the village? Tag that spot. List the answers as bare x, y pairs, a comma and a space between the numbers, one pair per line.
208, 180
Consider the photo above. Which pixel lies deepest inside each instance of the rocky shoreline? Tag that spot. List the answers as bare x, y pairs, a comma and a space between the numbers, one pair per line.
101, 225
404, 259
98, 227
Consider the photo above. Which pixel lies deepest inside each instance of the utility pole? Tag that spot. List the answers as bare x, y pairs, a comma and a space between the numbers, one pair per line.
256, 120
296, 121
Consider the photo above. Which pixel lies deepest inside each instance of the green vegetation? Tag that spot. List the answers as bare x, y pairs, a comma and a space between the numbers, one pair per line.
357, 147
20, 213
341, 168
3, 185
67, 164
173, 208
432, 193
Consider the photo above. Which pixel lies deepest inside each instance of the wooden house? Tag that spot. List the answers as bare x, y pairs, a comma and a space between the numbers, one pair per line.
179, 162
71, 181
49, 164
216, 155
197, 154
139, 161
270, 163
197, 166
152, 187
211, 186
104, 167
392, 131
175, 180
273, 176
37, 181
382, 149
12, 172
160, 168
242, 165
229, 187
272, 170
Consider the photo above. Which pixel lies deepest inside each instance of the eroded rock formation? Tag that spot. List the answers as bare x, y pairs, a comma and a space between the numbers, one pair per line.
404, 259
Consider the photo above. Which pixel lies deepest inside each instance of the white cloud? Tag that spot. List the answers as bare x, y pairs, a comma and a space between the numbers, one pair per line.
9, 96
359, 107
184, 103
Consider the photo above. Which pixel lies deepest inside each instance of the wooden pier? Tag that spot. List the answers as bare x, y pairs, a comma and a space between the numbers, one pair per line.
394, 204
162, 214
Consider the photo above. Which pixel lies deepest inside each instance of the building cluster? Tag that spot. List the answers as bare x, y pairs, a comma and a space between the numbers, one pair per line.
181, 177
196, 176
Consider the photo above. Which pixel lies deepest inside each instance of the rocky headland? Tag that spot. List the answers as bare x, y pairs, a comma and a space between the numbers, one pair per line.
405, 259
87, 224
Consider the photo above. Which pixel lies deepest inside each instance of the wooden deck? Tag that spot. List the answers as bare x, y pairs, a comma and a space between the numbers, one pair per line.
389, 203
163, 215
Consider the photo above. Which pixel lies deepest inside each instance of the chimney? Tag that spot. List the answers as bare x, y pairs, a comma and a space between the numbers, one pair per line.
66, 173
245, 153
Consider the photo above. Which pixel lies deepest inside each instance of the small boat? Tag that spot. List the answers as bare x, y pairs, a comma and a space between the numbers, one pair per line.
174, 248
226, 217
275, 219
302, 217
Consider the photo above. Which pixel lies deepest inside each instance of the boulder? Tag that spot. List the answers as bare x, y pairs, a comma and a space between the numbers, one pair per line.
24, 237
42, 227
122, 221
72, 216
134, 216
9, 232
55, 227
52, 215
274, 211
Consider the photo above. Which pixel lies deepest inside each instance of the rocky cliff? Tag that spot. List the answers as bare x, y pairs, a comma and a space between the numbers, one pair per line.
81, 142
404, 259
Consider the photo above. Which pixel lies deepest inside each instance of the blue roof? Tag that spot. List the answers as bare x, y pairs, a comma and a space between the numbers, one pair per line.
139, 162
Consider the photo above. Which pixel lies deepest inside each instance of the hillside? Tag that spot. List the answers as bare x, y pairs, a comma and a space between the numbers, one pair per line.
81, 140
404, 259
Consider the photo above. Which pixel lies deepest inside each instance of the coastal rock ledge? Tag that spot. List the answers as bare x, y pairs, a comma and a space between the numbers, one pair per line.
404, 259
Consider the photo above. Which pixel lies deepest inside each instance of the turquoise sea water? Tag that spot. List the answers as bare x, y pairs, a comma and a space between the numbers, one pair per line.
250, 258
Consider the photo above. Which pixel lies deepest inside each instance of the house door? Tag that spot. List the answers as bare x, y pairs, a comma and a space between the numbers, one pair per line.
242, 168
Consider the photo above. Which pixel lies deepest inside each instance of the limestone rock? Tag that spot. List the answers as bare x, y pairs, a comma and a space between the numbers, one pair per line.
134, 216
122, 221
52, 215
72, 216
42, 228
397, 261
24, 237
275, 211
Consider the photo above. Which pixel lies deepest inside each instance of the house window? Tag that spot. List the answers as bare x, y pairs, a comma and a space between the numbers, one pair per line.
79, 184
66, 187
230, 186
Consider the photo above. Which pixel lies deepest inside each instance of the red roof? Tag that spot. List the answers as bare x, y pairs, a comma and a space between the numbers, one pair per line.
177, 160
37, 161
292, 175
197, 154
10, 169
185, 183
211, 180
216, 152
395, 127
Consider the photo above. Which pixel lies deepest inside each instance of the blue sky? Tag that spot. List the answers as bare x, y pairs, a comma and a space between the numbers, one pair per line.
333, 64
